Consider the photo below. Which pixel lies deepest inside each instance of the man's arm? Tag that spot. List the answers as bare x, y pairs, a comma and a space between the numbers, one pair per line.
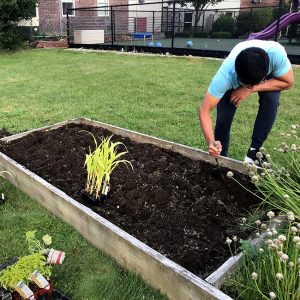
280, 83
208, 103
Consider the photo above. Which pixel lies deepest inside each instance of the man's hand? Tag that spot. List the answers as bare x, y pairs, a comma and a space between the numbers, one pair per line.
215, 148
239, 94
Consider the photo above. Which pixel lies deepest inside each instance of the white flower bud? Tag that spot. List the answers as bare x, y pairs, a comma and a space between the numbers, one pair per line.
284, 257
293, 147
259, 155
263, 226
293, 127
291, 216
279, 276
286, 197
257, 222
270, 214
261, 250
228, 241
244, 220
257, 234
254, 276
234, 238
282, 238
294, 229
296, 239
291, 264
298, 245
229, 174
251, 173
254, 179
272, 295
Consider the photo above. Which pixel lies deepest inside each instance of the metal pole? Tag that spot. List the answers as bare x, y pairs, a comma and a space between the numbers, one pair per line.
68, 29
111, 25
173, 25
278, 20
153, 22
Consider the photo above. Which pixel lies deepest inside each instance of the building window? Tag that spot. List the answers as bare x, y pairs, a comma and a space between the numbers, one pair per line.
103, 11
68, 4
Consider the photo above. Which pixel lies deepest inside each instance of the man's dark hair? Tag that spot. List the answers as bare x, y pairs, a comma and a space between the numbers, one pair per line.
252, 65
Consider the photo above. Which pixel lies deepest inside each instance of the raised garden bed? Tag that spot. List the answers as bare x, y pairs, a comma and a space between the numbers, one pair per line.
175, 201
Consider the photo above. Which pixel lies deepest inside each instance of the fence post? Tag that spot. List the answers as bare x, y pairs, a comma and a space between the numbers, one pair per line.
278, 20
173, 25
68, 29
153, 23
112, 26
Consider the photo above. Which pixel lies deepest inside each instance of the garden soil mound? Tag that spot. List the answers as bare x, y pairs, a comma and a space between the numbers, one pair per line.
182, 208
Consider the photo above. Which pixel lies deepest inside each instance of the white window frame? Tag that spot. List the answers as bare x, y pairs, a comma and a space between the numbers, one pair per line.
62, 7
101, 13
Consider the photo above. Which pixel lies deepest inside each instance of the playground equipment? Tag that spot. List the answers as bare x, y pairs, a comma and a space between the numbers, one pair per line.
271, 30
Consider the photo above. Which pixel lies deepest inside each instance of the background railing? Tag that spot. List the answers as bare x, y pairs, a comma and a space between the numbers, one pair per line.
171, 25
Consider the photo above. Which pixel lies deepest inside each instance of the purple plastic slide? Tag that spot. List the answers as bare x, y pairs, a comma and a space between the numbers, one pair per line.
270, 31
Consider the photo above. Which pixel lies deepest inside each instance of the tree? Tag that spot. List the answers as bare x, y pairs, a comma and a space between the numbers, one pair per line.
200, 6
11, 12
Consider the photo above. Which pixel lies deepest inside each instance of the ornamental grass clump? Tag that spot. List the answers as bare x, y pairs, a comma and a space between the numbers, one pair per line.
270, 270
100, 164
277, 182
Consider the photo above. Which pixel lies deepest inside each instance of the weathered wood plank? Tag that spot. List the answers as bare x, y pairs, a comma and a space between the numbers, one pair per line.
173, 280
218, 277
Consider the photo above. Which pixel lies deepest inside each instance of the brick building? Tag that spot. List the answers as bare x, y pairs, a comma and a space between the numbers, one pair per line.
52, 13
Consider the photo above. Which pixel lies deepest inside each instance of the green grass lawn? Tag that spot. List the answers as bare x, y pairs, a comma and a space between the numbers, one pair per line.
157, 95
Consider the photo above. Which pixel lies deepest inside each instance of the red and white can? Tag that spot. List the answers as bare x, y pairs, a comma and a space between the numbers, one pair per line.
55, 257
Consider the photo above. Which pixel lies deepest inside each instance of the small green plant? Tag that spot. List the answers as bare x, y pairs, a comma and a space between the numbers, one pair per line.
100, 163
22, 269
36, 260
34, 245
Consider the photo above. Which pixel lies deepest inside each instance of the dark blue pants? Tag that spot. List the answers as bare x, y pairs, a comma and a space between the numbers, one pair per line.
268, 104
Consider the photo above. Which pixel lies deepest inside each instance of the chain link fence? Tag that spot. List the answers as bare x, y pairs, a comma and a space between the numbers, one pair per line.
174, 25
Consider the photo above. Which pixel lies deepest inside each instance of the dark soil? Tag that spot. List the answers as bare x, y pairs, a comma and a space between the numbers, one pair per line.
182, 208
4, 133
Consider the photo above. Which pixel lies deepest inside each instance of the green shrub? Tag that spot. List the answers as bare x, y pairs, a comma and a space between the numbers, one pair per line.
11, 12
10, 37
221, 35
254, 21
224, 24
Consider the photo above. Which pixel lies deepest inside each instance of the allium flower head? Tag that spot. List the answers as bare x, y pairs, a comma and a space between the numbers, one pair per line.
271, 214
261, 250
279, 276
254, 179
259, 155
296, 239
272, 295
284, 257
229, 174
263, 226
228, 241
254, 276
257, 222
294, 229
293, 147
282, 238
286, 197
291, 216
291, 264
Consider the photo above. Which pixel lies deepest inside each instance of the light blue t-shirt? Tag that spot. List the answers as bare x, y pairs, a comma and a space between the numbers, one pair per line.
226, 77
